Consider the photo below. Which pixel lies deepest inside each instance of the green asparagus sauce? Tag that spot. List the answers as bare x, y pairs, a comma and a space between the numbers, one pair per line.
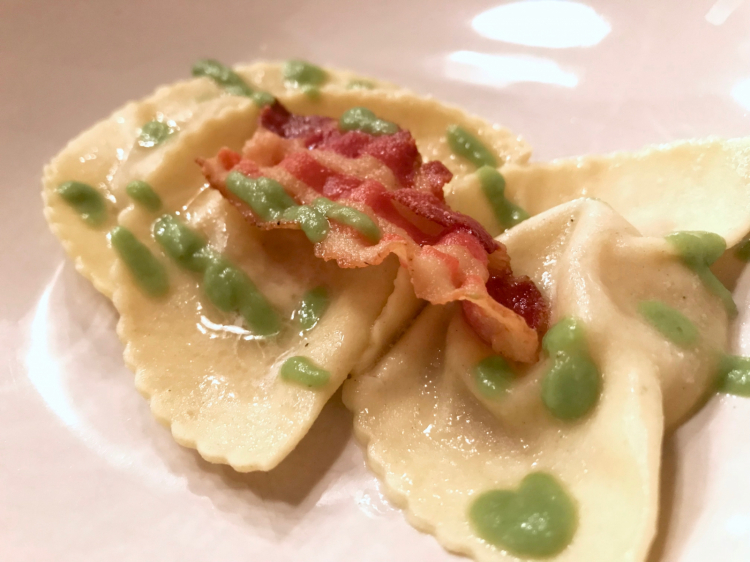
571, 386
312, 221
734, 375
147, 271
493, 377
154, 133
143, 194
742, 251
312, 307
493, 186
536, 521
698, 250
86, 201
302, 371
232, 82
266, 197
362, 119
672, 324
468, 146
358, 220
360, 85
305, 76
228, 287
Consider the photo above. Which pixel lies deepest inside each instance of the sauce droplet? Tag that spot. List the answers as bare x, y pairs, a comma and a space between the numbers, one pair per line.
672, 324
154, 133
143, 194
232, 82
734, 375
493, 377
349, 216
508, 214
86, 201
147, 271
312, 307
572, 384
468, 146
537, 520
302, 371
362, 119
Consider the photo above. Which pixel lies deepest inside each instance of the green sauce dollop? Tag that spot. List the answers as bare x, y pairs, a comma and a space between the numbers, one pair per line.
572, 385
147, 271
508, 214
468, 146
362, 119
302, 371
734, 375
698, 250
154, 133
266, 197
86, 201
228, 287
536, 521
742, 251
493, 377
305, 76
312, 307
312, 221
358, 220
360, 85
143, 194
232, 82
670, 322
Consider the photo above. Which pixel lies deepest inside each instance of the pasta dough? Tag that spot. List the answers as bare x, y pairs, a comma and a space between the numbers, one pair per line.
437, 446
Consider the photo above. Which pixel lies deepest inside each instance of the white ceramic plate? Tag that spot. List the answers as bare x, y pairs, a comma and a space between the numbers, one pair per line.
85, 471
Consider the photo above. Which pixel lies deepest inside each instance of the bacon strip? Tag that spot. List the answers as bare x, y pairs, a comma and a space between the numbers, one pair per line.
449, 256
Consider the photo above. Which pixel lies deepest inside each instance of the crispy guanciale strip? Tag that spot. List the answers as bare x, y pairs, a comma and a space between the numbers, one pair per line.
449, 256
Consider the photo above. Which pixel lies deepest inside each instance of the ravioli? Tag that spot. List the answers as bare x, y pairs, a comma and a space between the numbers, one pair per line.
440, 441
687, 185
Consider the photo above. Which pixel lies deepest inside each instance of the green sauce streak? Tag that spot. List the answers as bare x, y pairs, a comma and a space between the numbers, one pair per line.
266, 197
742, 252
148, 272
536, 521
302, 371
305, 76
467, 145
154, 133
698, 250
86, 201
143, 194
228, 287
571, 386
362, 119
232, 82
672, 324
360, 85
312, 221
493, 377
358, 220
734, 375
312, 307
493, 186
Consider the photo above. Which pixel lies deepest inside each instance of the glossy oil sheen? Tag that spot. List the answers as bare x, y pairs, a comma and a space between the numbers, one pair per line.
143, 194
537, 520
86, 201
672, 324
698, 250
362, 119
466, 145
508, 214
301, 370
148, 272
313, 305
349, 216
572, 384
